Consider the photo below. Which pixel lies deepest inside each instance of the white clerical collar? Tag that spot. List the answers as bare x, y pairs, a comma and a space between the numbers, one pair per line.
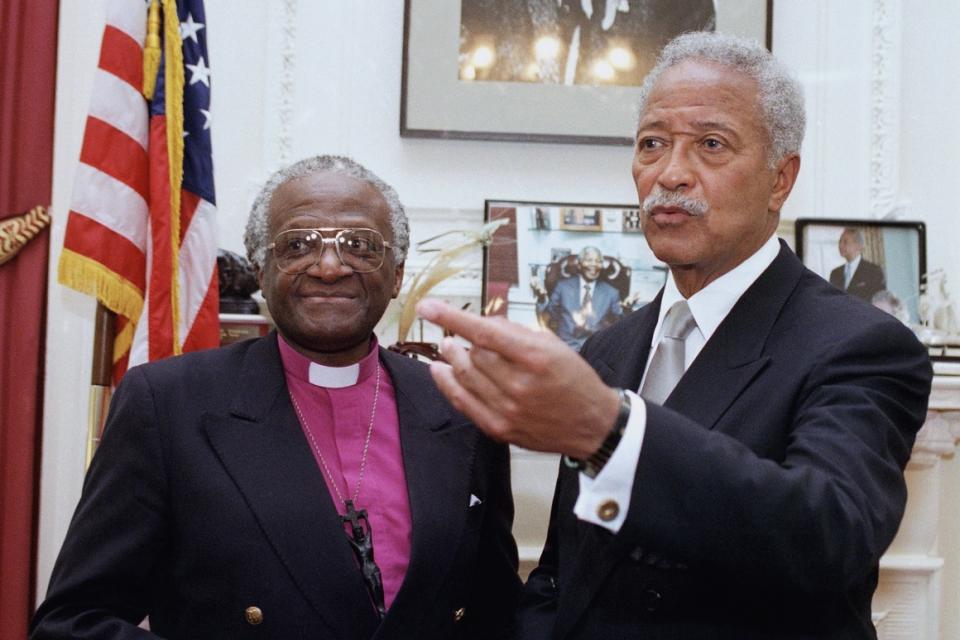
299, 366
333, 377
710, 305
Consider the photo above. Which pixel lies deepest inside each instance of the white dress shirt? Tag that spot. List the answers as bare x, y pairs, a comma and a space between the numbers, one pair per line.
709, 308
849, 269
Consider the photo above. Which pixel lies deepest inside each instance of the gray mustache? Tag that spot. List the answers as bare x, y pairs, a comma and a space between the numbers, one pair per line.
676, 199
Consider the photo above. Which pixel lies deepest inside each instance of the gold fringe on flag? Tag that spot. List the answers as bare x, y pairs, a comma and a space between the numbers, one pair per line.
173, 78
151, 50
92, 278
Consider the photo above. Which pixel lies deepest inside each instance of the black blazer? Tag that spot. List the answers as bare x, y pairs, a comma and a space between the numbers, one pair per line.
768, 486
867, 280
204, 499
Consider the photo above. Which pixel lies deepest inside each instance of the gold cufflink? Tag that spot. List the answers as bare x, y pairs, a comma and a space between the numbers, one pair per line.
608, 510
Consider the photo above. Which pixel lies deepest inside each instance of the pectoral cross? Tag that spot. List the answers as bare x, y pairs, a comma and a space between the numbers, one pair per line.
362, 543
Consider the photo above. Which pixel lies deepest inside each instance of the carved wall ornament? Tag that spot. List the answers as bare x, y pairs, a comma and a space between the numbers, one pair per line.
17, 231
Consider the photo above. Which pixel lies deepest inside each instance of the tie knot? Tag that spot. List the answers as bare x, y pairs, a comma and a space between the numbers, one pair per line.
678, 322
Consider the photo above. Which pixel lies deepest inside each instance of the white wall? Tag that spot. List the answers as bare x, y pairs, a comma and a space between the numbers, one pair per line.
296, 78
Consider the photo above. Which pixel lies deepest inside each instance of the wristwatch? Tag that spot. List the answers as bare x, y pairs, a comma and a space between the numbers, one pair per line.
593, 464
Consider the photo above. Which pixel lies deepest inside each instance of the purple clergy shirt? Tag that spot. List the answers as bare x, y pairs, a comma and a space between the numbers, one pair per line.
335, 423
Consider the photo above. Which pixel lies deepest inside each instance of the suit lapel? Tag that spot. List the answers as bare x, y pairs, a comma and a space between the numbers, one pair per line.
733, 356
262, 447
438, 460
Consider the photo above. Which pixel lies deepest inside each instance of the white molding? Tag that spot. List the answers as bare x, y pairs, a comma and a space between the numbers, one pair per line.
280, 84
885, 110
937, 439
911, 564
820, 112
945, 394
909, 595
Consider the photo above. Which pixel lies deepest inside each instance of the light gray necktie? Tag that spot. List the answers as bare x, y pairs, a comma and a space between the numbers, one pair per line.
847, 274
666, 367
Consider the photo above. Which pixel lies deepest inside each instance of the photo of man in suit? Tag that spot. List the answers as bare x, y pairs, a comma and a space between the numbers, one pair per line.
858, 277
307, 484
582, 304
734, 451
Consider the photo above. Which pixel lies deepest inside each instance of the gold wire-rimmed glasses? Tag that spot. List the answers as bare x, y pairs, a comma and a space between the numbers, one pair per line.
296, 250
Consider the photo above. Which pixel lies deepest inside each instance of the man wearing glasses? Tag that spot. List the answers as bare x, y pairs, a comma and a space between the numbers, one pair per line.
307, 484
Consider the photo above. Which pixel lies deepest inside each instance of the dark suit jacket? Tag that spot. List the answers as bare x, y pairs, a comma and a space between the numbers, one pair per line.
565, 301
867, 280
204, 499
769, 483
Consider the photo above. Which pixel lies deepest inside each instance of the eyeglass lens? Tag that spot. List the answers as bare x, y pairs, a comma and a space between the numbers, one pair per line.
296, 250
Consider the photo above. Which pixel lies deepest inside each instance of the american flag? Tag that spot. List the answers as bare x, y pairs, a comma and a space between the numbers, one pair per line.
141, 233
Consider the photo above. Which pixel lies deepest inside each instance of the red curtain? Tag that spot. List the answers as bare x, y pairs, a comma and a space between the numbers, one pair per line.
28, 48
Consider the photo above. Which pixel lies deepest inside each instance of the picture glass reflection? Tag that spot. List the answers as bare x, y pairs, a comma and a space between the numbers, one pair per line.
587, 42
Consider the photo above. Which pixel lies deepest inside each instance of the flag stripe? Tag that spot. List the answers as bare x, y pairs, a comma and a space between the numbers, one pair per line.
113, 204
122, 56
197, 254
115, 153
189, 202
130, 16
90, 238
161, 303
120, 104
205, 326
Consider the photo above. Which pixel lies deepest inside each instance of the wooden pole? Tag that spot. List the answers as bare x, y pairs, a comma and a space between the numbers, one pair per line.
100, 377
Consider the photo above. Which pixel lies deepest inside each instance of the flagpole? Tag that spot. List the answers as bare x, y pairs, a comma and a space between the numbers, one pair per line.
100, 377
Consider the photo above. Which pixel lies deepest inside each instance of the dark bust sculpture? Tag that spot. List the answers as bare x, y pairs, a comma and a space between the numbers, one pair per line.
237, 283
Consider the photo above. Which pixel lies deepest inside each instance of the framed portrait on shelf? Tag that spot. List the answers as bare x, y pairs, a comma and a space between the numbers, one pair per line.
545, 70
568, 268
881, 262
235, 327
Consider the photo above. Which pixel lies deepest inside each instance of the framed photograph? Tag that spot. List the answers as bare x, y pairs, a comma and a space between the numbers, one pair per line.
568, 268
545, 70
881, 262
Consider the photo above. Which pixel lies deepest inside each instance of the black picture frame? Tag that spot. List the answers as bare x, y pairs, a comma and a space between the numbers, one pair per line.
897, 248
541, 238
436, 103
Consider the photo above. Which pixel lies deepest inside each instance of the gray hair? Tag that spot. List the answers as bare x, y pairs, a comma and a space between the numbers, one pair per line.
588, 250
780, 93
255, 237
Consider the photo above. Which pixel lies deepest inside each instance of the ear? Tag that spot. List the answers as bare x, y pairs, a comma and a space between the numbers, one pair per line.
786, 176
397, 279
258, 274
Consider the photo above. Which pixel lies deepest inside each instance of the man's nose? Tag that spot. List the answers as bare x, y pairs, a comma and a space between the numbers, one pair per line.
677, 173
327, 264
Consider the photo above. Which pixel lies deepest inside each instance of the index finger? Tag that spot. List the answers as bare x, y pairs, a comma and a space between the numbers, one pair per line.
504, 337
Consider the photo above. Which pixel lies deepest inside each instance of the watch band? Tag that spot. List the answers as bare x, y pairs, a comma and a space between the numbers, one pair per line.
593, 464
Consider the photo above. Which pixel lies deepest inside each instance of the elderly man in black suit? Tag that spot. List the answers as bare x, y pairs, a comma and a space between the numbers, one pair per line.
857, 276
308, 484
734, 450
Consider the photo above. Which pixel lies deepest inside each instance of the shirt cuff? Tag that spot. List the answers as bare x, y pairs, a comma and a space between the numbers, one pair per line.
605, 500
